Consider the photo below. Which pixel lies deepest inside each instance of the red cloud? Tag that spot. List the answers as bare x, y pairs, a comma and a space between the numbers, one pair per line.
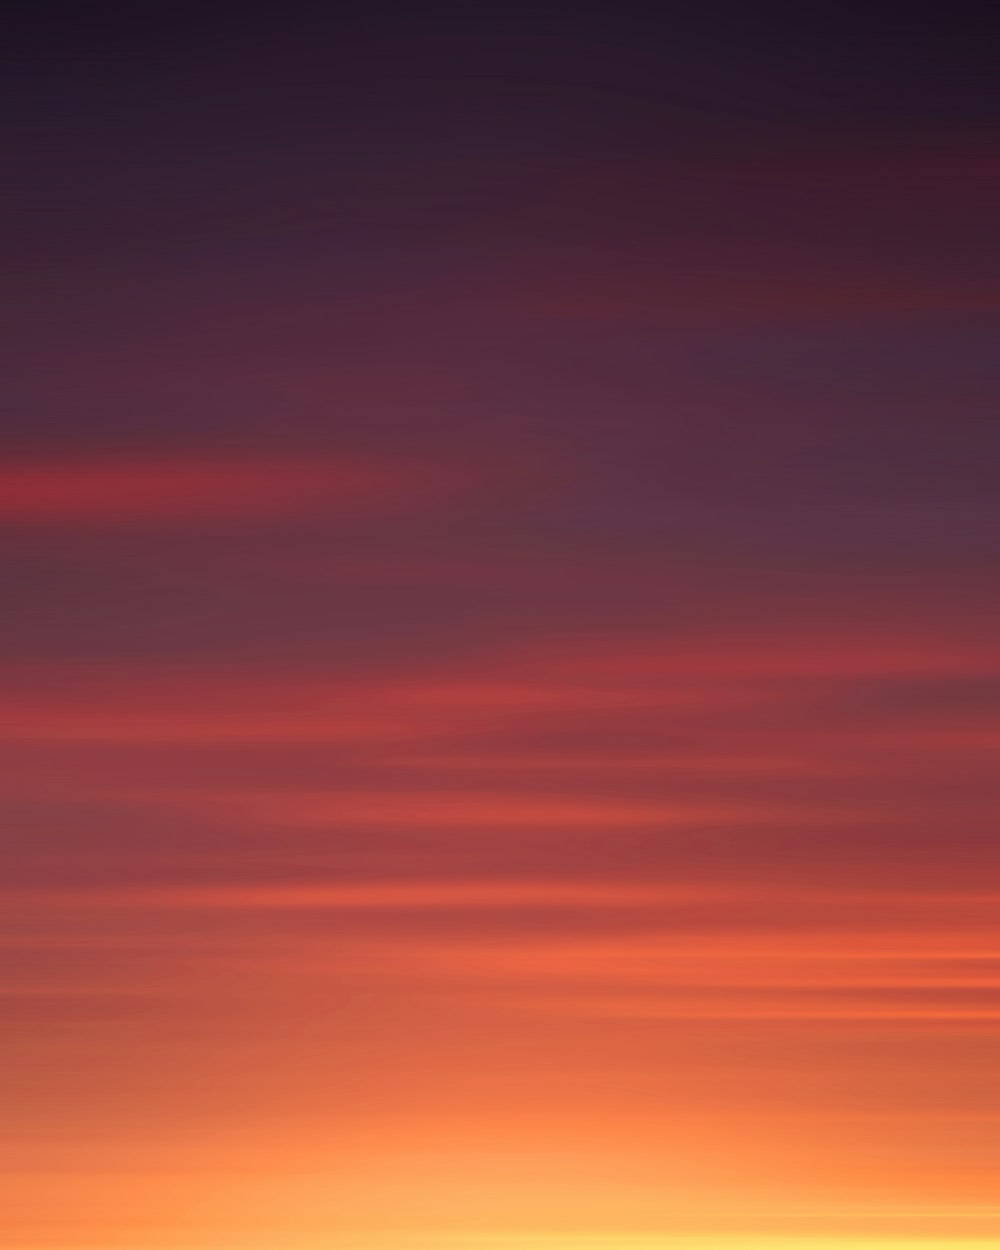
180, 488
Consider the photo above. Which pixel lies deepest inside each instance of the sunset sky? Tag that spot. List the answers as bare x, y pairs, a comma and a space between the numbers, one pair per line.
500, 673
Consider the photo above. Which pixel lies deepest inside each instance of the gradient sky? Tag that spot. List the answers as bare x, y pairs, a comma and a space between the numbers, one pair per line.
500, 672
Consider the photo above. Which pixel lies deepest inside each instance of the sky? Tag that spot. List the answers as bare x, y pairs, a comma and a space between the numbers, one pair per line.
499, 658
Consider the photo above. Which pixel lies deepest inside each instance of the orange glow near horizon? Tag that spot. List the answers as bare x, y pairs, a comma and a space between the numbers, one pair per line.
517, 1049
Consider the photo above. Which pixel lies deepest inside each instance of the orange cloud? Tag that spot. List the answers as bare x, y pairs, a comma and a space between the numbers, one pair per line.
475, 809
384, 896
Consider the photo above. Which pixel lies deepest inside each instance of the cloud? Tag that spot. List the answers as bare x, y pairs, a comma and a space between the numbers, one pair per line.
383, 896
198, 489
